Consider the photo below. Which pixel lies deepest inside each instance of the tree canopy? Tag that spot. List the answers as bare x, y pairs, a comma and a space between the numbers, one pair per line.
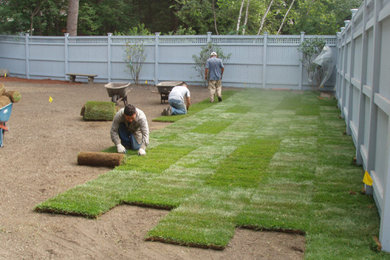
251, 17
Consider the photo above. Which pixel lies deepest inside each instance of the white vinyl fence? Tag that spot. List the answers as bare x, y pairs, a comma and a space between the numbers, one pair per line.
265, 61
363, 92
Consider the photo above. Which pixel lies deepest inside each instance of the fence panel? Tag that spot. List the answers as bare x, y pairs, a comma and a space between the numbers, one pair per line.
256, 61
363, 94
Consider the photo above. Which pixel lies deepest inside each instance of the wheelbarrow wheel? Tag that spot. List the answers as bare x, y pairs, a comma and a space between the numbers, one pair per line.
115, 99
125, 100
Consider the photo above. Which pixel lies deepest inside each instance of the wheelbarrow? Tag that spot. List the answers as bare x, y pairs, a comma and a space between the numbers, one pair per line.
164, 88
117, 92
5, 113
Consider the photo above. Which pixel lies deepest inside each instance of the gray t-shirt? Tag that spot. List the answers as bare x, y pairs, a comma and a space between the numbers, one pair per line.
179, 92
139, 127
214, 65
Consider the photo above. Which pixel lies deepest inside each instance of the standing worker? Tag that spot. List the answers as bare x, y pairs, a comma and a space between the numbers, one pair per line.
130, 130
215, 67
179, 101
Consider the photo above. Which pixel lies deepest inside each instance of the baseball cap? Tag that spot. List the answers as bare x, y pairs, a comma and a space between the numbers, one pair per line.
213, 53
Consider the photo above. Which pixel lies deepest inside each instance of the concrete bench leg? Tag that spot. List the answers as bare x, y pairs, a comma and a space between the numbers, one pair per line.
72, 78
90, 80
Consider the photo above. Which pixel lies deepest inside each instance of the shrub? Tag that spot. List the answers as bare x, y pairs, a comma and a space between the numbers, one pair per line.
135, 58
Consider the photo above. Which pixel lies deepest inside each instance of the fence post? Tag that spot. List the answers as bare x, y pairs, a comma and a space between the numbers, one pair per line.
301, 63
384, 232
66, 54
109, 41
338, 66
27, 55
375, 85
343, 74
208, 37
363, 79
156, 42
338, 34
349, 79
265, 41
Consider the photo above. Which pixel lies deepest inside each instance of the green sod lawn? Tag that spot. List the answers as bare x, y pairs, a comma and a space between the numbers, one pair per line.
261, 159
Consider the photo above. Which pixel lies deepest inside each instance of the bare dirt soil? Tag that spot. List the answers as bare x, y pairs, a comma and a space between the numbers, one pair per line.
39, 160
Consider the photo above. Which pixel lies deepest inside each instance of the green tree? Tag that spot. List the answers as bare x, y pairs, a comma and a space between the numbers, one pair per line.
195, 14
182, 31
37, 17
99, 17
136, 30
319, 16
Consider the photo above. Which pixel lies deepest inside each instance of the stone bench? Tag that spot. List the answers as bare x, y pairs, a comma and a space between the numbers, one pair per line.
74, 75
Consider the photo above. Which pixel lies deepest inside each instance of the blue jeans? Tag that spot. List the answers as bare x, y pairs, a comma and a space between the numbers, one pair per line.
178, 107
127, 139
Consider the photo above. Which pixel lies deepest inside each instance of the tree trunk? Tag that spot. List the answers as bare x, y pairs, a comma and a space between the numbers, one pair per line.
215, 18
33, 14
285, 16
73, 13
31, 24
246, 17
264, 16
239, 16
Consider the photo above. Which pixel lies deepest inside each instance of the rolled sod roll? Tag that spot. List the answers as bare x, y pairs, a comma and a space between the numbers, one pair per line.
100, 159
4, 100
2, 89
82, 111
13, 95
99, 111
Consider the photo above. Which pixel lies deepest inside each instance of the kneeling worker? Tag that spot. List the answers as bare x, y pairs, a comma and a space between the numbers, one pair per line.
130, 130
179, 101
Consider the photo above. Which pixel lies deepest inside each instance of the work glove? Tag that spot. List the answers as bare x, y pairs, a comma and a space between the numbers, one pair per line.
120, 148
141, 152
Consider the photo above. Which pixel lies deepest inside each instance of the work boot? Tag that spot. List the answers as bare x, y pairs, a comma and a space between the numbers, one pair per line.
219, 99
169, 111
164, 112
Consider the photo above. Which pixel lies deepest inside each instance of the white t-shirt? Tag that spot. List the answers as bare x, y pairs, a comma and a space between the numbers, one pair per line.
179, 92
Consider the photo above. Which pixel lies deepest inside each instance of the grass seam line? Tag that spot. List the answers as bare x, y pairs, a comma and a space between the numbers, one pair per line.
281, 230
180, 243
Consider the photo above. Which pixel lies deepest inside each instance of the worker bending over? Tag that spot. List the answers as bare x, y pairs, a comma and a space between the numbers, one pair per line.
179, 101
130, 130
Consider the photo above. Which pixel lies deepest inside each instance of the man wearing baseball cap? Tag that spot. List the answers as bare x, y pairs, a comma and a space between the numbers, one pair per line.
213, 73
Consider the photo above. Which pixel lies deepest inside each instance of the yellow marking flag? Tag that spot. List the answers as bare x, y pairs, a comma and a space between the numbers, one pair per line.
50, 99
367, 179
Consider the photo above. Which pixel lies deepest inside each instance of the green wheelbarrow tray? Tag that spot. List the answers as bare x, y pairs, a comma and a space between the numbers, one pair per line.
5, 113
